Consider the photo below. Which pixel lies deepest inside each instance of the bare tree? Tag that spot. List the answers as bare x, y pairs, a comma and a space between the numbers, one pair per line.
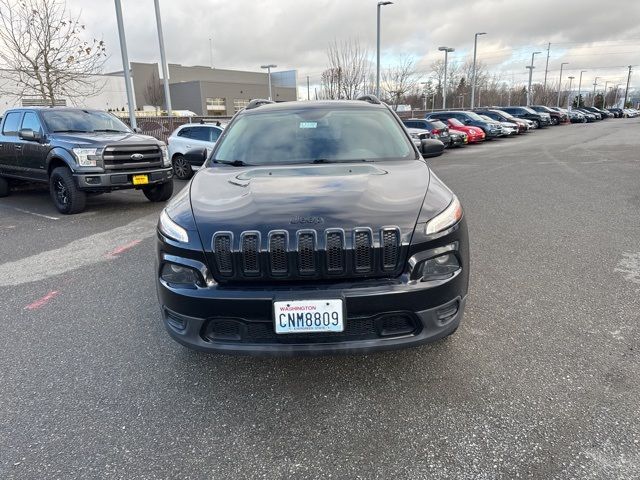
154, 92
399, 81
347, 70
44, 54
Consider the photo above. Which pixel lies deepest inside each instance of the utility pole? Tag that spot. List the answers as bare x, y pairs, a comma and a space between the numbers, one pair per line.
211, 52
269, 67
125, 66
593, 97
546, 68
569, 94
560, 83
580, 89
626, 90
473, 72
424, 94
530, 67
308, 89
380, 4
446, 51
163, 59
604, 95
615, 101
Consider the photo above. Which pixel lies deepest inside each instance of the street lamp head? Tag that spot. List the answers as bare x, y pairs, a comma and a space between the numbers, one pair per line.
481, 33
572, 77
446, 49
271, 65
384, 3
564, 63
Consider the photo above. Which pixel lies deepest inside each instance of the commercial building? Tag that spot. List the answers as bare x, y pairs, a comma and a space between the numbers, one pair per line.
210, 91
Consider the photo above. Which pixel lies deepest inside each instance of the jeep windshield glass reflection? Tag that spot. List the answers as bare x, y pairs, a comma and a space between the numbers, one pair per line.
315, 135
84, 121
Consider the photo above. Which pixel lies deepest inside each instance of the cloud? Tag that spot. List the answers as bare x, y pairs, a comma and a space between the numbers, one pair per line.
295, 33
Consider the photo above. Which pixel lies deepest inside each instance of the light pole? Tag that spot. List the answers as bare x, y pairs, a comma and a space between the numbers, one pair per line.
626, 90
530, 67
125, 66
424, 93
269, 67
580, 88
615, 101
446, 51
604, 95
569, 95
593, 97
163, 59
380, 4
560, 84
473, 72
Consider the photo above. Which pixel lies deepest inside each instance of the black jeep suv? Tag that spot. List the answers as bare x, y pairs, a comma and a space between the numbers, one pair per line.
312, 227
79, 152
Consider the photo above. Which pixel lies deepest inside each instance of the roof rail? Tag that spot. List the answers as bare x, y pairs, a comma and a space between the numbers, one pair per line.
370, 98
257, 102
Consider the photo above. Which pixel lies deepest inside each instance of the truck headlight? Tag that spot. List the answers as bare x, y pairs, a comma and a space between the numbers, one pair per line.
180, 275
448, 217
171, 229
87, 157
439, 268
165, 156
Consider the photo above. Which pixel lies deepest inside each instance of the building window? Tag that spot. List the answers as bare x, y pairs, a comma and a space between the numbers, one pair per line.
216, 106
239, 104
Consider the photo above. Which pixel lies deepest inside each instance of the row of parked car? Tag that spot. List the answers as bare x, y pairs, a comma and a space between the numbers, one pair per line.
455, 128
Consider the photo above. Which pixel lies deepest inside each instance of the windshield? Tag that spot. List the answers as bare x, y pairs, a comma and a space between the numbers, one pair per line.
314, 135
529, 110
437, 124
474, 116
455, 122
82, 121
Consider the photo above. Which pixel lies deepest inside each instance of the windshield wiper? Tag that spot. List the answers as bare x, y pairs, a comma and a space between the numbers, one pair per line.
70, 131
233, 163
326, 160
109, 130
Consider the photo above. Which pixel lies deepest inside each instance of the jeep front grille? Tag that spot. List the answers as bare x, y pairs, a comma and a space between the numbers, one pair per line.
307, 254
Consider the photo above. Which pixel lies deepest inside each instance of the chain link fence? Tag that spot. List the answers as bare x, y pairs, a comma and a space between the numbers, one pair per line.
162, 127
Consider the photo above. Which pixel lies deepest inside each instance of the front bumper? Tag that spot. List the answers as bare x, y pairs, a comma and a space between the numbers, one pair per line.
380, 314
117, 180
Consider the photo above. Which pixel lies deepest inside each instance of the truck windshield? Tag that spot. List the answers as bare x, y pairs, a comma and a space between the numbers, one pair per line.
314, 135
82, 121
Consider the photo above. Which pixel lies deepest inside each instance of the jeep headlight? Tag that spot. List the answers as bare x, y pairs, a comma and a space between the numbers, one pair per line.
171, 229
445, 219
87, 157
165, 156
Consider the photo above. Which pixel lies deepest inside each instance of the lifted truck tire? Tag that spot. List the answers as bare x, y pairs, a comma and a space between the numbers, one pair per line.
159, 193
66, 196
4, 187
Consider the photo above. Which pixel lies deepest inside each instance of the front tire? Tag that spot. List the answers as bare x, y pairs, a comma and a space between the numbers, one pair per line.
181, 168
537, 124
159, 193
554, 121
4, 187
66, 196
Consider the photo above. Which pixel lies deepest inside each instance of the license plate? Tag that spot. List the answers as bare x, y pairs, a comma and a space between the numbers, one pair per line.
140, 179
308, 316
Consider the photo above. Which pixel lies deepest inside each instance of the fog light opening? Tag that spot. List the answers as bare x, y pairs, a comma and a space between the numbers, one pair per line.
440, 267
180, 275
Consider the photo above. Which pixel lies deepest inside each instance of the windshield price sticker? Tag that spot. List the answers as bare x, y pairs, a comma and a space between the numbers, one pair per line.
308, 316
308, 124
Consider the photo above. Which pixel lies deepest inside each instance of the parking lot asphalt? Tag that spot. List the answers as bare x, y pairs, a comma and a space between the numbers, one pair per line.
542, 379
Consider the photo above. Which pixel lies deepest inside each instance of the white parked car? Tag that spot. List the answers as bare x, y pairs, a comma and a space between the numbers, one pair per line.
187, 137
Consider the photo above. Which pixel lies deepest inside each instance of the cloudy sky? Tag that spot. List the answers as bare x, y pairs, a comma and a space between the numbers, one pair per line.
594, 35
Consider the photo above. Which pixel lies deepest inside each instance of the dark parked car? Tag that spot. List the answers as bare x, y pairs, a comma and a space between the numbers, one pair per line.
556, 117
439, 129
617, 112
597, 112
590, 116
500, 116
491, 130
537, 118
312, 227
80, 152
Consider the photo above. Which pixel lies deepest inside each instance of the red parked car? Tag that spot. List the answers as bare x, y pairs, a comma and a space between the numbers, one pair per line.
475, 134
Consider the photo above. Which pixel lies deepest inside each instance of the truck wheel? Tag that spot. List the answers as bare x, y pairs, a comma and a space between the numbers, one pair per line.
554, 121
159, 193
66, 196
4, 187
182, 168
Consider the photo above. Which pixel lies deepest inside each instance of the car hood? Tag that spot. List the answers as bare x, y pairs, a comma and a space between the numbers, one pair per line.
102, 138
316, 197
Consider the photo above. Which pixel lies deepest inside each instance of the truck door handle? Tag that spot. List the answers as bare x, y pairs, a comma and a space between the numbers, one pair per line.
18, 147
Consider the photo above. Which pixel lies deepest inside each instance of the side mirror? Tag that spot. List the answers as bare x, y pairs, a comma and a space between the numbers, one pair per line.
29, 135
137, 130
196, 156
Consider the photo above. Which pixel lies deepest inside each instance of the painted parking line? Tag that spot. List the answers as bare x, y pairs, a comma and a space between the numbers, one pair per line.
77, 254
123, 248
49, 217
41, 302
